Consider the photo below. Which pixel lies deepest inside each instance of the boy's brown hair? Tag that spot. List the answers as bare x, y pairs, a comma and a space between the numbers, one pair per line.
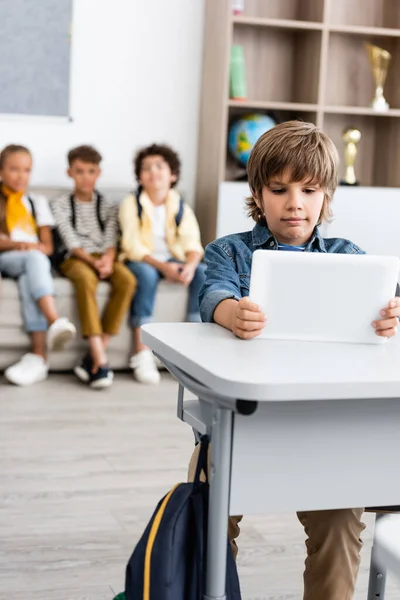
299, 148
86, 154
169, 155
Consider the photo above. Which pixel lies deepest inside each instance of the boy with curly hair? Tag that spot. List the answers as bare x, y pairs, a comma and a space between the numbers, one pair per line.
160, 238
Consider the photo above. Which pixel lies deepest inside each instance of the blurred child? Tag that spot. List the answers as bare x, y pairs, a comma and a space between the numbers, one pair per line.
25, 245
88, 226
160, 239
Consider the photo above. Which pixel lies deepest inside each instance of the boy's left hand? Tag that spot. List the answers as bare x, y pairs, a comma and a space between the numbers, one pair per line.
387, 325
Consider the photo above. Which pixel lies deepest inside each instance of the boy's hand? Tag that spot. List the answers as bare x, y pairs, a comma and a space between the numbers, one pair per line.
104, 266
171, 272
248, 320
387, 326
187, 272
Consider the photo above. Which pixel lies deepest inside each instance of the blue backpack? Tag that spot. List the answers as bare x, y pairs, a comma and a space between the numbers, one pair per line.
169, 560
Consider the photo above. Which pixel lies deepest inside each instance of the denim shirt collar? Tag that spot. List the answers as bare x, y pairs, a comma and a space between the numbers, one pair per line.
262, 237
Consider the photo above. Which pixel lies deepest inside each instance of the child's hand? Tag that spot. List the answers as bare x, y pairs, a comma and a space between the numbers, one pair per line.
171, 272
187, 272
387, 326
248, 320
104, 266
25, 246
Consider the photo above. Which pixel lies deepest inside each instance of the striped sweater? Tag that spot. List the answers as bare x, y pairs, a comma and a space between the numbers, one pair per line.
87, 233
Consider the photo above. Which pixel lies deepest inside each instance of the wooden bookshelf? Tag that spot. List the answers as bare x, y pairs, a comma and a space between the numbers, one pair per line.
305, 59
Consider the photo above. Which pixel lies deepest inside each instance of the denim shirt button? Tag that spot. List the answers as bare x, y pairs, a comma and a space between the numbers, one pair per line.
271, 244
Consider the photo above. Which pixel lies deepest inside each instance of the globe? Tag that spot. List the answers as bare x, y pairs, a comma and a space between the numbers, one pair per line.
244, 133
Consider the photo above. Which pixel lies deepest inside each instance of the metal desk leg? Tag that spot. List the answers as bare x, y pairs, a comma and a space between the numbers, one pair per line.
221, 436
377, 574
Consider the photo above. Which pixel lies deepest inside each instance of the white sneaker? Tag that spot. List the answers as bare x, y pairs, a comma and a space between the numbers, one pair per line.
144, 367
31, 368
60, 333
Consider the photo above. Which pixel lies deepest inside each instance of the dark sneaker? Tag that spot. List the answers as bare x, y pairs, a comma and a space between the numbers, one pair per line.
84, 370
103, 378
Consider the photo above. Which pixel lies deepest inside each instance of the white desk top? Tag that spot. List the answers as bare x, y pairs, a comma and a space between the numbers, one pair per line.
272, 370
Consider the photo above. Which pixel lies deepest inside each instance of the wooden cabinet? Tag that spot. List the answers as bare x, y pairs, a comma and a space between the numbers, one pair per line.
304, 59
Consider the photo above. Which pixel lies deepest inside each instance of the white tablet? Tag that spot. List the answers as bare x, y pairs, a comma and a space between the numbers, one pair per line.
314, 296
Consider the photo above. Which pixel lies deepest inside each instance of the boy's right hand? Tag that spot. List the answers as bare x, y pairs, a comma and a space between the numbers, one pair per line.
248, 320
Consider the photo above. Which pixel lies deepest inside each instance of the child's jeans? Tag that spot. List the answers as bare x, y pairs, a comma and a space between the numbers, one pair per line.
32, 270
333, 547
147, 277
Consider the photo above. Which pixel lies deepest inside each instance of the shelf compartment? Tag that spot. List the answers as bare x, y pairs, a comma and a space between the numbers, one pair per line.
232, 169
368, 13
349, 79
378, 153
302, 10
281, 65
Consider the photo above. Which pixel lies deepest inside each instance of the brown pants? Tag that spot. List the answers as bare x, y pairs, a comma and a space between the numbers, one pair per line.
85, 280
333, 548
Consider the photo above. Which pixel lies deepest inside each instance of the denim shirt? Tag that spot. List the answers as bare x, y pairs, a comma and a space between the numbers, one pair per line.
228, 260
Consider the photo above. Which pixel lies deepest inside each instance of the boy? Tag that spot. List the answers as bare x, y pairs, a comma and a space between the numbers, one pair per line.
88, 226
292, 174
160, 239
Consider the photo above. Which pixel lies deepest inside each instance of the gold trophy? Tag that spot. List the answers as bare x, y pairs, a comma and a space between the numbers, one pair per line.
351, 137
379, 59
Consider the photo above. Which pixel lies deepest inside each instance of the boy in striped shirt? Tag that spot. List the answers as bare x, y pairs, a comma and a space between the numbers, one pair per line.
88, 227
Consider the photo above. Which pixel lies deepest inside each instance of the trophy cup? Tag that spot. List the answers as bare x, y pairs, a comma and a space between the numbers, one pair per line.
351, 137
379, 59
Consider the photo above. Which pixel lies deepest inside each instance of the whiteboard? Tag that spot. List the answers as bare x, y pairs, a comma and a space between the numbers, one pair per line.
35, 57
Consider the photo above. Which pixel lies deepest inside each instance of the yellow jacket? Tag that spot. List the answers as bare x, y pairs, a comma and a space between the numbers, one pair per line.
137, 239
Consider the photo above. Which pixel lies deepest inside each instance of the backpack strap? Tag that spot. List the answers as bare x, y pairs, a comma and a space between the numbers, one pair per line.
73, 211
178, 216
33, 208
138, 203
99, 199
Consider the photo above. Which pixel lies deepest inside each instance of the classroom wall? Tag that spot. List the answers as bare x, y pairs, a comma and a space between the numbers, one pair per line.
136, 68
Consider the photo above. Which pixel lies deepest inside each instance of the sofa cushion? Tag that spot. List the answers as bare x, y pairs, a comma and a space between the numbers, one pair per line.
171, 304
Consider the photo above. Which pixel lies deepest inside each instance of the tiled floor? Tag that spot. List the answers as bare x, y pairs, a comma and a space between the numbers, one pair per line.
80, 474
